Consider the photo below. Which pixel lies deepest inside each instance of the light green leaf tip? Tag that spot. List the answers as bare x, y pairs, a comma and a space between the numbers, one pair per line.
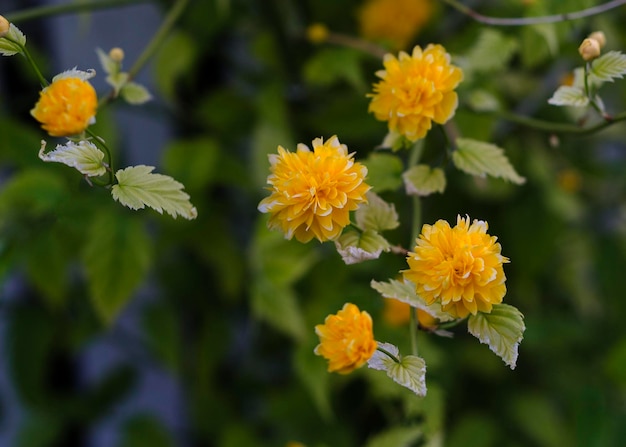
502, 330
376, 214
109, 66
409, 371
138, 187
13, 42
481, 158
84, 156
608, 67
135, 94
567, 95
422, 180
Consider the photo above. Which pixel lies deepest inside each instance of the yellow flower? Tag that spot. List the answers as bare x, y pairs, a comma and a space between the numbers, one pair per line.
460, 267
346, 339
67, 106
394, 21
317, 33
4, 26
313, 192
416, 90
590, 49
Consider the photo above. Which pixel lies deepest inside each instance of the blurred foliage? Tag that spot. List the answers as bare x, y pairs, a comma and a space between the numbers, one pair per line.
232, 306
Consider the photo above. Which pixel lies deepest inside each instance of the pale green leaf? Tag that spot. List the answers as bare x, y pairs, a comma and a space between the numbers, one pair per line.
384, 171
109, 66
135, 94
355, 246
404, 291
376, 214
83, 156
175, 57
502, 330
482, 100
138, 187
567, 95
608, 67
396, 437
422, 180
117, 80
332, 65
408, 371
13, 42
480, 158
117, 257
492, 51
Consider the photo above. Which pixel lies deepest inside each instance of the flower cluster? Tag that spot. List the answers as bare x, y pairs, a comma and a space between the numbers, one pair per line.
346, 339
68, 105
314, 191
460, 267
416, 90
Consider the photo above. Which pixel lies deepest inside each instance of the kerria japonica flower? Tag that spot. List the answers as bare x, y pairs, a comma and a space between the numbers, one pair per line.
68, 105
395, 22
313, 192
460, 267
416, 90
346, 339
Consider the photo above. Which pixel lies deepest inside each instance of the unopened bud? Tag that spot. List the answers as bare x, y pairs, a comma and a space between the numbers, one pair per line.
4, 26
317, 33
116, 54
599, 36
589, 49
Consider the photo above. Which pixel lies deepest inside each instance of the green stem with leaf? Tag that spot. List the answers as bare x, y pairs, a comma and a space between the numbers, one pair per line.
388, 354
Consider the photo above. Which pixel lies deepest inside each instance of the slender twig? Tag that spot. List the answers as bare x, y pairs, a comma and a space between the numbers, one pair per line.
72, 7
522, 21
389, 354
100, 142
356, 43
561, 128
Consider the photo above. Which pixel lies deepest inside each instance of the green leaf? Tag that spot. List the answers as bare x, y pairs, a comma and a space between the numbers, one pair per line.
83, 156
502, 330
117, 256
355, 246
194, 162
314, 375
482, 100
34, 192
567, 95
137, 187
404, 291
13, 42
376, 214
108, 65
492, 51
145, 431
278, 306
135, 94
117, 81
175, 57
608, 67
396, 437
422, 180
331, 65
480, 158
384, 171
408, 371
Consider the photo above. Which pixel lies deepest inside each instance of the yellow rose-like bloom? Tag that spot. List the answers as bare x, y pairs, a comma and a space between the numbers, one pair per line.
461, 267
346, 339
415, 90
66, 107
394, 21
313, 192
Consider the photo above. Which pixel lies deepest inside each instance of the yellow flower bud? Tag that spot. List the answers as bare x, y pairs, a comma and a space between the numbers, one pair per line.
116, 54
599, 36
589, 49
4, 26
317, 33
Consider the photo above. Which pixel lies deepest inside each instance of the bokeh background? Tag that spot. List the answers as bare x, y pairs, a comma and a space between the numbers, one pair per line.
212, 337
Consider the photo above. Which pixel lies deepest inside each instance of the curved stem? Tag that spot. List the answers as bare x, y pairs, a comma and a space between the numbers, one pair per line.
102, 144
389, 354
46, 11
522, 21
172, 16
44, 82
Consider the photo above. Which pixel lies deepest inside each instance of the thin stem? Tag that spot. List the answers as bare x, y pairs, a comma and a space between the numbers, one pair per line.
523, 21
589, 94
98, 141
389, 354
44, 82
46, 11
562, 128
172, 16
358, 44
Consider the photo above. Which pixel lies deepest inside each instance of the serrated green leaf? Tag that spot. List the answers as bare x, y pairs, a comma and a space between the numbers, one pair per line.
422, 180
108, 65
13, 42
567, 95
135, 94
608, 67
384, 171
480, 158
502, 330
138, 187
492, 51
83, 156
404, 291
408, 371
117, 257
396, 437
376, 214
355, 246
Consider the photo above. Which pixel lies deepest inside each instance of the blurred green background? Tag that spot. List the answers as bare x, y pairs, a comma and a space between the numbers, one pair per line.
130, 329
